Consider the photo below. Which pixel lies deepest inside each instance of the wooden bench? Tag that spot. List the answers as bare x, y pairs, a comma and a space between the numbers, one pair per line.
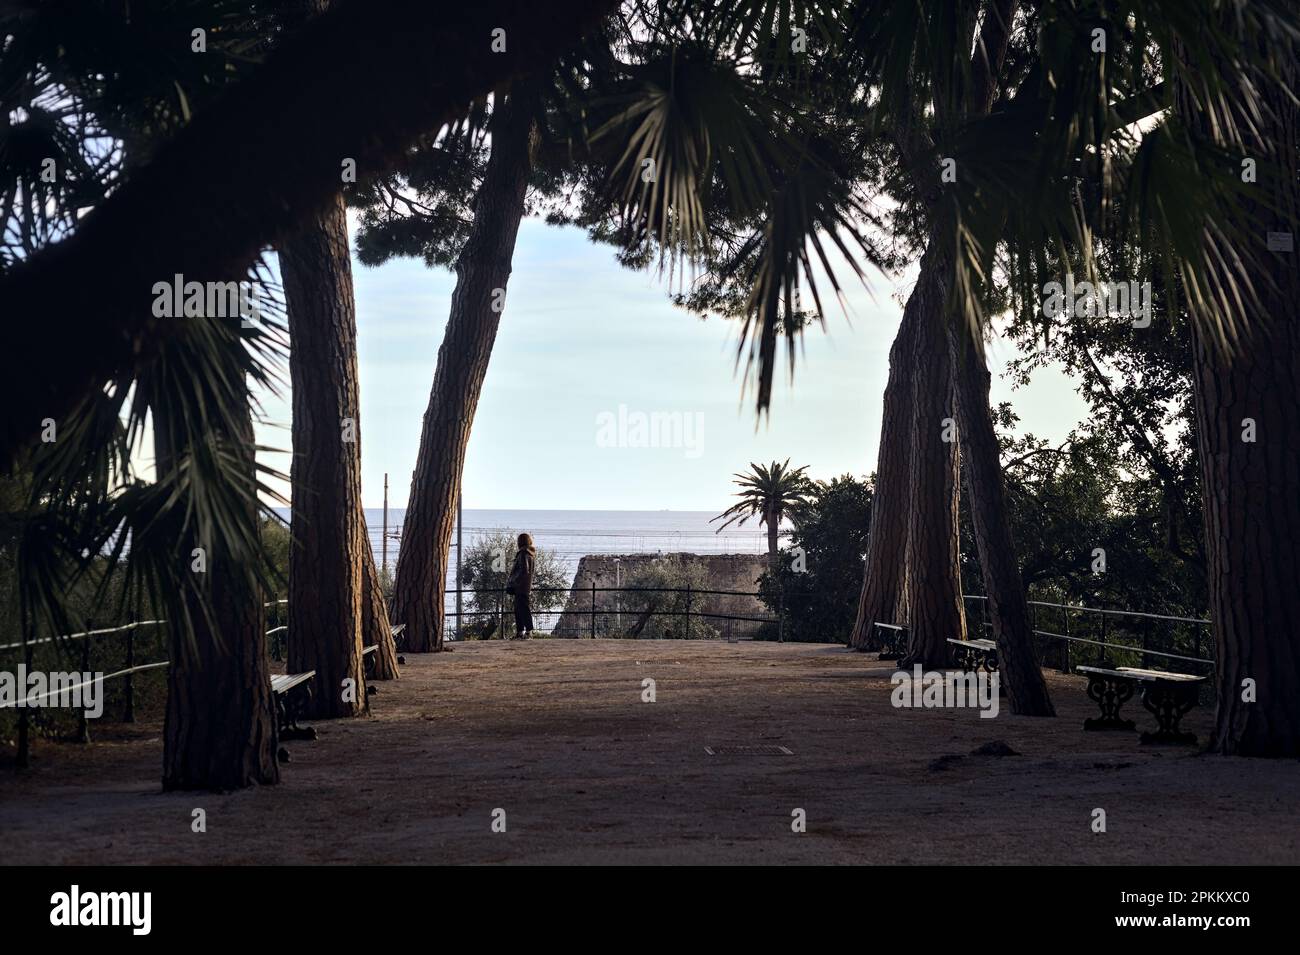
369, 657
1166, 695
893, 641
289, 704
398, 633
976, 655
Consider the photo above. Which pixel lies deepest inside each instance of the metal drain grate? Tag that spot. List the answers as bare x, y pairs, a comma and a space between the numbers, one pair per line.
767, 750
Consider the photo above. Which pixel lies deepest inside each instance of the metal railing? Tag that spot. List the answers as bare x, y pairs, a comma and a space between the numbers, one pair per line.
592, 619
1104, 632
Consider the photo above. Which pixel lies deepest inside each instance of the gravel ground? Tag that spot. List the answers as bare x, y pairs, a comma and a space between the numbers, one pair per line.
555, 733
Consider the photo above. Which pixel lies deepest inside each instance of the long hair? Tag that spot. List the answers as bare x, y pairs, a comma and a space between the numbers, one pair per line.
526, 543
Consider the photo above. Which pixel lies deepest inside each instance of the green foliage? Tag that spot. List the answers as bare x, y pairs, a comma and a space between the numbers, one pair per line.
650, 612
484, 570
819, 574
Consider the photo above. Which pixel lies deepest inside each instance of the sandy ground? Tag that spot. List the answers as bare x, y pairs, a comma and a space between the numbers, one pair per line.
555, 733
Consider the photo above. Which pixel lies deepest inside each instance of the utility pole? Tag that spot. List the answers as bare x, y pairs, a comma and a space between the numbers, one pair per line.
384, 545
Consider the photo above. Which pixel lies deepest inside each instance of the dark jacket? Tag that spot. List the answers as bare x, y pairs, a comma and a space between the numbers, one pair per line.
521, 574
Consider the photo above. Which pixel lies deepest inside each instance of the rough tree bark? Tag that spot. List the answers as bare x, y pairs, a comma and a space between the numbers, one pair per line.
326, 525
1252, 508
219, 731
482, 271
1018, 663
932, 588
883, 575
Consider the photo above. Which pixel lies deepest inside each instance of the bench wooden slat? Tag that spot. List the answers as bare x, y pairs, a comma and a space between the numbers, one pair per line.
284, 682
980, 644
1147, 676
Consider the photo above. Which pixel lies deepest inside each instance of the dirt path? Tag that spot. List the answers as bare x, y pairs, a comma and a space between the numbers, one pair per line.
555, 733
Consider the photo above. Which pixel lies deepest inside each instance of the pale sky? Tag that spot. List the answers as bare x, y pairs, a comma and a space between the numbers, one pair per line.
581, 336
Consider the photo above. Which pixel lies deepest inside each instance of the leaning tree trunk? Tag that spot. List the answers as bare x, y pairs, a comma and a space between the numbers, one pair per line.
933, 583
326, 527
219, 731
1018, 661
376, 629
384, 73
1248, 438
482, 271
883, 573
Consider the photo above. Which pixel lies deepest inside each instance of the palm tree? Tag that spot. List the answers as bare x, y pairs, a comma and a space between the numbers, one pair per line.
375, 90
1056, 169
772, 493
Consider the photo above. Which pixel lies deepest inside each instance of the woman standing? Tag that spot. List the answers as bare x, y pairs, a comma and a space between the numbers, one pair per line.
520, 585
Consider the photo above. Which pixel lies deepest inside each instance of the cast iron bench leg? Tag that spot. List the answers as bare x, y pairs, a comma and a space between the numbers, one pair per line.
1110, 694
293, 709
1169, 702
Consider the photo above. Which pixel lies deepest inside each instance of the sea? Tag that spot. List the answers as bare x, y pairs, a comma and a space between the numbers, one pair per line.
570, 535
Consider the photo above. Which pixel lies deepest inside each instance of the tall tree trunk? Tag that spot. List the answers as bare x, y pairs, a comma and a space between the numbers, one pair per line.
219, 731
1248, 437
773, 522
1018, 663
883, 574
933, 582
383, 73
376, 629
327, 528
482, 271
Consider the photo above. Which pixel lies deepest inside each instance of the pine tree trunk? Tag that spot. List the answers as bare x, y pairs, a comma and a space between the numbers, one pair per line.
376, 629
482, 271
1252, 505
220, 730
327, 528
932, 591
883, 574
1018, 663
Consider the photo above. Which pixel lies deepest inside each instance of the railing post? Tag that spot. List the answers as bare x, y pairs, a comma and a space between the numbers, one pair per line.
501, 613
780, 618
1065, 615
129, 716
83, 725
24, 724
688, 611
593, 608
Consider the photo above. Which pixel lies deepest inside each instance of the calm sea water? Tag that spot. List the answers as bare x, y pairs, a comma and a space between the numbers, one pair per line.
572, 534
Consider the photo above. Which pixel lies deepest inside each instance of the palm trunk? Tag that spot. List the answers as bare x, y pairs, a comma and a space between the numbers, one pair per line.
220, 730
773, 522
883, 574
1018, 661
932, 589
482, 271
327, 528
1252, 507
383, 73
